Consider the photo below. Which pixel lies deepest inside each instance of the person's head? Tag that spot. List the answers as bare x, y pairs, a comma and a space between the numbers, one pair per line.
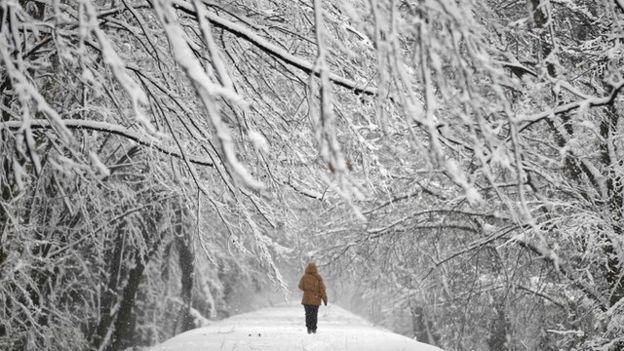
311, 268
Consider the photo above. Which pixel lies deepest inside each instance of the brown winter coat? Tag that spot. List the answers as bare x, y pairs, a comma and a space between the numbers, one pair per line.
313, 287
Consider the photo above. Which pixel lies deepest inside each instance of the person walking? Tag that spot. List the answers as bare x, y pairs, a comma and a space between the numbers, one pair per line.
313, 292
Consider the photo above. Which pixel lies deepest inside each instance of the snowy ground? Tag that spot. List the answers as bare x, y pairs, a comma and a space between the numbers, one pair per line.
283, 329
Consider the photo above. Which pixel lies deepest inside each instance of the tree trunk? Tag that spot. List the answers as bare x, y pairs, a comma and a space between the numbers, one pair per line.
421, 326
125, 323
108, 296
499, 329
186, 259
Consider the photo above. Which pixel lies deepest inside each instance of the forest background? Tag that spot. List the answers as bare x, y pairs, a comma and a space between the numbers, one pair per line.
455, 167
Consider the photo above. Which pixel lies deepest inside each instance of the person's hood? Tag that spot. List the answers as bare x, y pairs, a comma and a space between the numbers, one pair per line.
311, 268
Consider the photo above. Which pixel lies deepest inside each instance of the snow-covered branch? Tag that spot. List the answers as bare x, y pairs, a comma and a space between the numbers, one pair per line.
527, 121
111, 129
272, 49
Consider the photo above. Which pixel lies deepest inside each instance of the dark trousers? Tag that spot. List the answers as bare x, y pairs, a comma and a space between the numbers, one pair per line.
311, 312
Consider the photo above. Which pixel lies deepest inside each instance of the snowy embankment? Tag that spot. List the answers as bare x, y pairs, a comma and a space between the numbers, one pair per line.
283, 329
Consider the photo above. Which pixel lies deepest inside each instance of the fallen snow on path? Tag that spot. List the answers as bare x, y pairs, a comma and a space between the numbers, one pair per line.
283, 329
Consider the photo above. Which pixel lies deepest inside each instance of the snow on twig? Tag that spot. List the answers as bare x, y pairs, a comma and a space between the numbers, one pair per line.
274, 50
206, 89
137, 95
529, 120
107, 128
216, 60
27, 92
330, 147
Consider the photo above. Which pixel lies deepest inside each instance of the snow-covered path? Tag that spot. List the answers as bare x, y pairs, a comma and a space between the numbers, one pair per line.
283, 329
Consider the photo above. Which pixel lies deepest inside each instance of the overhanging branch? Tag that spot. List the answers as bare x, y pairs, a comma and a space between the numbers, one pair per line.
566, 271
592, 102
108, 128
272, 49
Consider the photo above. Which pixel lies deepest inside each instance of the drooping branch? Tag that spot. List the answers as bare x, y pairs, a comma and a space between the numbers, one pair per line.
112, 129
207, 91
588, 290
478, 244
247, 34
591, 102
